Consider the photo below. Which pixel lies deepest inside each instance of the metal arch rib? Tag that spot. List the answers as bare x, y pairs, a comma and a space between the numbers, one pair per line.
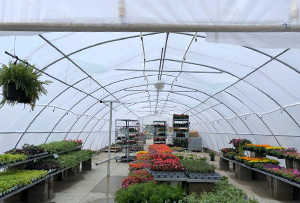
197, 100
195, 89
70, 109
91, 120
67, 57
222, 117
81, 116
221, 114
241, 79
94, 127
258, 118
94, 45
70, 86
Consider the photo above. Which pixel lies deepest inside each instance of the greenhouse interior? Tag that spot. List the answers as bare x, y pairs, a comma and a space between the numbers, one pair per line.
154, 101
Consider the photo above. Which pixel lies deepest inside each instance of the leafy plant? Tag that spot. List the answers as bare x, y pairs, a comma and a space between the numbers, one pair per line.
71, 159
24, 77
149, 192
13, 179
198, 166
190, 155
212, 154
6, 159
61, 146
222, 193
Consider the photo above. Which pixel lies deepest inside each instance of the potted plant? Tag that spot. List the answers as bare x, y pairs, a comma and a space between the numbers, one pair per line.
20, 84
212, 156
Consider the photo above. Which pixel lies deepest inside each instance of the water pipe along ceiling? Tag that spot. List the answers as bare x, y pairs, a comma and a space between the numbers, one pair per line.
232, 66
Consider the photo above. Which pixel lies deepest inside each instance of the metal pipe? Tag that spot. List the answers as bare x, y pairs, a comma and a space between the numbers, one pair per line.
144, 27
104, 161
109, 143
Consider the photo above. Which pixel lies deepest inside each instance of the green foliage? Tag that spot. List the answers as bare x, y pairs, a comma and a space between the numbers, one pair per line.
11, 158
223, 193
212, 154
190, 155
241, 151
178, 149
198, 166
149, 192
17, 178
71, 159
60, 146
24, 77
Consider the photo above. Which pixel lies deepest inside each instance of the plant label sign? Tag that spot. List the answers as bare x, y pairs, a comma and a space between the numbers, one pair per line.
55, 156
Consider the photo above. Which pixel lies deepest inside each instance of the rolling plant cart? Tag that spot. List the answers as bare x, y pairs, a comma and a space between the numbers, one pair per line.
126, 133
180, 130
159, 132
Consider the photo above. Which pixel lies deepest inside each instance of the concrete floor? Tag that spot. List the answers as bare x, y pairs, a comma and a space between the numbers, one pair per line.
91, 186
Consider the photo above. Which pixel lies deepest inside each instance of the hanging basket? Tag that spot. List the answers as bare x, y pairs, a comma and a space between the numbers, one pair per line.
24, 99
11, 93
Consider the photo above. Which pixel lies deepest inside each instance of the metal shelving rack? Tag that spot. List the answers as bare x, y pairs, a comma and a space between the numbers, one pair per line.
126, 132
159, 132
181, 131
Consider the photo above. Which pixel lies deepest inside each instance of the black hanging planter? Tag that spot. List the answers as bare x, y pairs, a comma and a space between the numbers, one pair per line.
24, 99
11, 93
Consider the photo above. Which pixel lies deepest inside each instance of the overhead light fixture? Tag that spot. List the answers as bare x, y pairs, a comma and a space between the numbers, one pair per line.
159, 85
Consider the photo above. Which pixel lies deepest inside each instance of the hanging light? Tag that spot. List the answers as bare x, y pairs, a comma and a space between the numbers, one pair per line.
159, 85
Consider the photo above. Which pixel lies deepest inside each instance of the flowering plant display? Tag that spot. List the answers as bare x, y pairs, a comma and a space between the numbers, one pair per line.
288, 173
167, 165
137, 177
231, 155
238, 142
136, 165
190, 156
142, 155
163, 156
233, 152
267, 167
251, 160
257, 147
159, 148
297, 179
142, 173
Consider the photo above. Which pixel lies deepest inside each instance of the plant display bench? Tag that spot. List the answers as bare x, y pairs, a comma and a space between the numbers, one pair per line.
257, 154
195, 182
279, 188
42, 190
296, 164
224, 164
200, 182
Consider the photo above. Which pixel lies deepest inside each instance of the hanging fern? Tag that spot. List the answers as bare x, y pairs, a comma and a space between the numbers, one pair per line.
24, 77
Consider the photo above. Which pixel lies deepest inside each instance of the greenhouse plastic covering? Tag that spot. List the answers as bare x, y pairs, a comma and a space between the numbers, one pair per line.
232, 84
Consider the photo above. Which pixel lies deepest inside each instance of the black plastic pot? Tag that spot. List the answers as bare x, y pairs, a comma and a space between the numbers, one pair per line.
212, 158
24, 99
12, 94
